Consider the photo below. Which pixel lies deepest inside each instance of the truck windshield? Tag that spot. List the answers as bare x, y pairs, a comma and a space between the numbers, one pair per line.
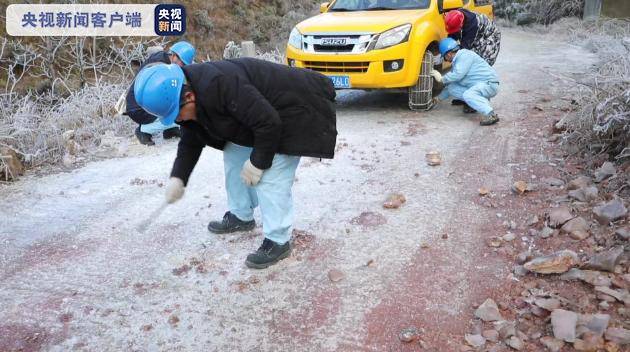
378, 5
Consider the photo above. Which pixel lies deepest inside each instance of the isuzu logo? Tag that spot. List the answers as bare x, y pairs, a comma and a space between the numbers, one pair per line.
333, 41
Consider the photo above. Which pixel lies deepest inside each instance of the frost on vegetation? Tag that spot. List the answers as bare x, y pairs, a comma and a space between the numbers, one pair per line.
52, 85
600, 122
233, 51
203, 21
538, 11
273, 56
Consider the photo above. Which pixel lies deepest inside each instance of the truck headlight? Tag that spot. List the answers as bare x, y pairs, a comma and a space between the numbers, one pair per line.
295, 38
392, 37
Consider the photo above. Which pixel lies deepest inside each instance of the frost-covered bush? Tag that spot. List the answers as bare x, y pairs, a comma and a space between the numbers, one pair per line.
602, 121
33, 124
539, 11
52, 85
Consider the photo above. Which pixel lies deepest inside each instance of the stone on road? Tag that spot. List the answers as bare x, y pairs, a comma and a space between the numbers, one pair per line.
559, 216
488, 311
610, 211
620, 336
556, 263
605, 261
563, 323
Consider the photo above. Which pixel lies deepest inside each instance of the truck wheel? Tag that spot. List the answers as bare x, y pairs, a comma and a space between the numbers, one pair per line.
421, 94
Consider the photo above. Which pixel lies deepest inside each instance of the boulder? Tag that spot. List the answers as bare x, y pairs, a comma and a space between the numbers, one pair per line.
547, 232
605, 261
556, 263
10, 166
618, 335
580, 182
564, 323
623, 233
577, 228
585, 194
610, 211
589, 343
491, 335
336, 275
594, 278
506, 329
619, 295
552, 344
607, 170
559, 216
394, 201
552, 182
515, 343
594, 323
476, 341
408, 335
488, 311
549, 304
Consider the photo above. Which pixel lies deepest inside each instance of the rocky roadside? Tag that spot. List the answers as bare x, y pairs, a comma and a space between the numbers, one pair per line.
566, 230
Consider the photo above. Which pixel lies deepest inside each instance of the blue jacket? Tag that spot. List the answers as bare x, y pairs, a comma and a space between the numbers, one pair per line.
468, 69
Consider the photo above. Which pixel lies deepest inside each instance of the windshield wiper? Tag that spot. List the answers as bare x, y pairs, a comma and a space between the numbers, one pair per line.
341, 9
379, 8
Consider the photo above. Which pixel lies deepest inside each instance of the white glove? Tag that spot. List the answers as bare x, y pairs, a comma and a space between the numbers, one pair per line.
251, 174
174, 190
437, 75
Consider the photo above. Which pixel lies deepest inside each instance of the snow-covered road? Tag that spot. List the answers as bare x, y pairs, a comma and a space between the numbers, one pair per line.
76, 275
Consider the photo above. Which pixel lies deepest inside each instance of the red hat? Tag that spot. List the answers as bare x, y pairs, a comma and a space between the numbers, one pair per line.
454, 21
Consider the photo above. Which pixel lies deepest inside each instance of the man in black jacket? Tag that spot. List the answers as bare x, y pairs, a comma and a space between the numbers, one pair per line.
181, 53
474, 31
264, 117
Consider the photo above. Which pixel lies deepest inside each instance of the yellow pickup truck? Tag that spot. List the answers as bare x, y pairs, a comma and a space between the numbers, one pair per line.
377, 44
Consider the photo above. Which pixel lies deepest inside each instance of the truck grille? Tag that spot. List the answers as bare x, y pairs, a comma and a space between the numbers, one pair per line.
337, 67
328, 43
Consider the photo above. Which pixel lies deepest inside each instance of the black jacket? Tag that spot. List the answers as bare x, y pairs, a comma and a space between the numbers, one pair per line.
134, 110
270, 107
469, 30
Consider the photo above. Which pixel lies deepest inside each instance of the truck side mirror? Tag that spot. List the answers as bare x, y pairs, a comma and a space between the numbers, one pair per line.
324, 7
448, 5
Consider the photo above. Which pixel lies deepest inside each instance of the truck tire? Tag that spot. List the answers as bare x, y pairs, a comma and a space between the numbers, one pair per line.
421, 94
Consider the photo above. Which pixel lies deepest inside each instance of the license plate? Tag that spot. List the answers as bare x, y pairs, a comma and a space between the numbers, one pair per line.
334, 41
340, 81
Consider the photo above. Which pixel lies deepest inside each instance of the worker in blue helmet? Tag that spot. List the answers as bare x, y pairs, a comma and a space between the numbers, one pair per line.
264, 117
181, 53
471, 79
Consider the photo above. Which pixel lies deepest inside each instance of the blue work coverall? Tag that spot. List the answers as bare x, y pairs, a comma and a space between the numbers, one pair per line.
472, 80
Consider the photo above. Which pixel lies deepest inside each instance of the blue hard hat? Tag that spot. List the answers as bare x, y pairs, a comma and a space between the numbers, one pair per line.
157, 89
185, 51
448, 44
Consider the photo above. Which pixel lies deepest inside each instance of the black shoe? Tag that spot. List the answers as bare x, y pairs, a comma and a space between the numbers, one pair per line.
268, 254
468, 110
491, 119
230, 223
172, 133
457, 102
144, 138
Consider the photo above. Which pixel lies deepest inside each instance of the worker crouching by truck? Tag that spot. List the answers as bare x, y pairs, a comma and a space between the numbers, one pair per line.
471, 79
264, 117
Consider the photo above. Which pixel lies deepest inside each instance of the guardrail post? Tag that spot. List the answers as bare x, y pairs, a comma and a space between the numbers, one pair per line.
592, 9
248, 49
